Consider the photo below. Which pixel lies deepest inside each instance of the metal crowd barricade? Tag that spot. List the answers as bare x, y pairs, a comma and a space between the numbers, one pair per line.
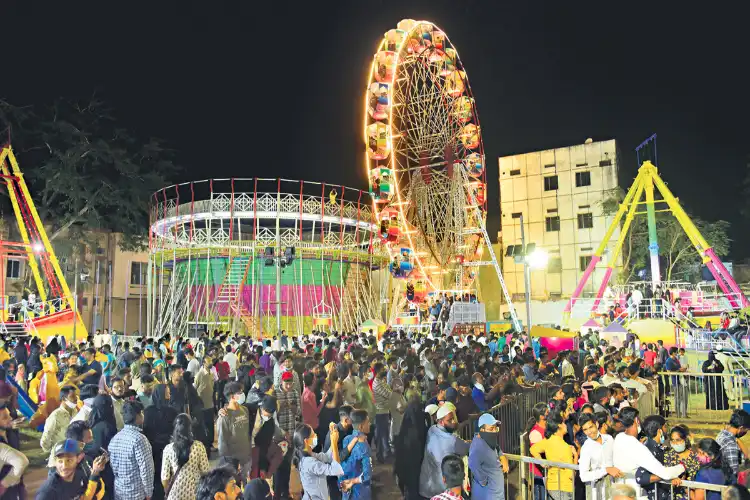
708, 397
519, 482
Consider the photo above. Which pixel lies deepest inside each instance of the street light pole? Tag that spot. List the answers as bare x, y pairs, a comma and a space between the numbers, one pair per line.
526, 277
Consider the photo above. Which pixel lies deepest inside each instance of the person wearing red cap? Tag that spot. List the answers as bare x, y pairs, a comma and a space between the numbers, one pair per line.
289, 415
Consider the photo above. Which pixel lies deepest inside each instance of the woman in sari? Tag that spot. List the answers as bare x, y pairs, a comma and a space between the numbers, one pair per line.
716, 396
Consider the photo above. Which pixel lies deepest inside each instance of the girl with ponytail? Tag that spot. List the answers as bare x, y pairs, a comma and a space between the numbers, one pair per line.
314, 468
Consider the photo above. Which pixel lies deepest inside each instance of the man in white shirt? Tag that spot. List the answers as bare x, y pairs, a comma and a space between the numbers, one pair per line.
193, 363
231, 359
629, 453
595, 461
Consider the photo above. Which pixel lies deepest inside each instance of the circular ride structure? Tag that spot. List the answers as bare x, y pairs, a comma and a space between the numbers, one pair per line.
425, 159
260, 255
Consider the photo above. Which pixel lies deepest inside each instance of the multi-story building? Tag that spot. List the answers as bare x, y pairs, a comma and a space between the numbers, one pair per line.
110, 284
559, 193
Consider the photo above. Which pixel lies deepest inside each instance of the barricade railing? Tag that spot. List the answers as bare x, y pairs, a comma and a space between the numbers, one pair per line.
558, 477
707, 397
513, 412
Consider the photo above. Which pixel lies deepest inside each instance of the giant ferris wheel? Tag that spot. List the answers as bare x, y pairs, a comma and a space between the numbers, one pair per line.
425, 162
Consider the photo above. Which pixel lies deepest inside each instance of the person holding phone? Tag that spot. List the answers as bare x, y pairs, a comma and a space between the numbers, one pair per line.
69, 480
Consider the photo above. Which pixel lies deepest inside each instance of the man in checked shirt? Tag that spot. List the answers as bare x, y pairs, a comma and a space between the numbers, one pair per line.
732, 448
289, 415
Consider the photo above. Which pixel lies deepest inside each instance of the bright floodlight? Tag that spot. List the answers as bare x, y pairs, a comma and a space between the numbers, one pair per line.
538, 259
37, 247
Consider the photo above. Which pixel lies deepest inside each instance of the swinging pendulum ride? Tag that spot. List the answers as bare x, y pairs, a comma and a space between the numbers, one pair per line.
55, 312
425, 163
642, 193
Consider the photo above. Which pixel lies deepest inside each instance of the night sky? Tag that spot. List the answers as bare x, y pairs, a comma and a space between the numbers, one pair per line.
276, 88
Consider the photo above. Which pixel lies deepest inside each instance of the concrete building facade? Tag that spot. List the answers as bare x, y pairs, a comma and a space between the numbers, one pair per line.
560, 193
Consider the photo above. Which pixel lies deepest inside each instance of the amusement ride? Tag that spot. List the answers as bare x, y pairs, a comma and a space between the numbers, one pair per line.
426, 166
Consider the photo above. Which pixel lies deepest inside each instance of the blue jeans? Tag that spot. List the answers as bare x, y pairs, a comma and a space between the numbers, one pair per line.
382, 433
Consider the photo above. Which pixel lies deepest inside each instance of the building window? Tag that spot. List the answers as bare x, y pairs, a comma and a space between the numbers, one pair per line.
137, 273
583, 179
84, 302
550, 183
13, 269
584, 261
605, 163
551, 165
516, 215
96, 302
554, 265
585, 221
99, 251
515, 172
552, 224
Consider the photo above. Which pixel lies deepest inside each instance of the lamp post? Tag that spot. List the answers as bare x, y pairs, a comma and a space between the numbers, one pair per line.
535, 260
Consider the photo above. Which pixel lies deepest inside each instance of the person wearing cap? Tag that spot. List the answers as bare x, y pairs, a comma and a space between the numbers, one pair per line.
441, 441
487, 462
69, 480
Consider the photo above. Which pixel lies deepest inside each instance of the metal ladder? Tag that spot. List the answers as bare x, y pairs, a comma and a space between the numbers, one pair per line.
481, 228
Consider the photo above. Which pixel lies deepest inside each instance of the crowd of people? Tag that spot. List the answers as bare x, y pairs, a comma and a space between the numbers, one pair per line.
309, 417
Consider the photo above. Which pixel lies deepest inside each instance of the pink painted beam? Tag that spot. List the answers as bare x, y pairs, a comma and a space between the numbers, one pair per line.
720, 280
579, 288
602, 288
721, 269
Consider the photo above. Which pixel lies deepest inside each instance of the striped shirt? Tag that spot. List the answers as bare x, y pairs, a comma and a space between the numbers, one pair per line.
382, 393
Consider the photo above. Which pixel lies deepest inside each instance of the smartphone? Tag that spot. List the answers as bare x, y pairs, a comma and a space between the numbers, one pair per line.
105, 453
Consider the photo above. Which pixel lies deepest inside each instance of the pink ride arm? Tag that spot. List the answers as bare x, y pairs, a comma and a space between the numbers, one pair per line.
724, 272
579, 288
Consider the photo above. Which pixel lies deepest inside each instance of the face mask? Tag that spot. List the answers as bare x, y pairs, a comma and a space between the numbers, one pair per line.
240, 399
639, 428
491, 438
265, 418
315, 442
704, 459
370, 376
612, 401
679, 448
479, 386
70, 404
662, 439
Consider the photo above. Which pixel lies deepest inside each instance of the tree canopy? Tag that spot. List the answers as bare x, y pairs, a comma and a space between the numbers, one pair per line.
84, 170
679, 259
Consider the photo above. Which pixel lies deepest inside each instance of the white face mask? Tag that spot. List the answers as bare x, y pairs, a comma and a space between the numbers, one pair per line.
265, 418
479, 386
70, 404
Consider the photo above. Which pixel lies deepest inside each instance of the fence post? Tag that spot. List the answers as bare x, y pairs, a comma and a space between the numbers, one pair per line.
523, 468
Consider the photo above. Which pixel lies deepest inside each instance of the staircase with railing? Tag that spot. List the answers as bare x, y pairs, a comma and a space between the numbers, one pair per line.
230, 292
